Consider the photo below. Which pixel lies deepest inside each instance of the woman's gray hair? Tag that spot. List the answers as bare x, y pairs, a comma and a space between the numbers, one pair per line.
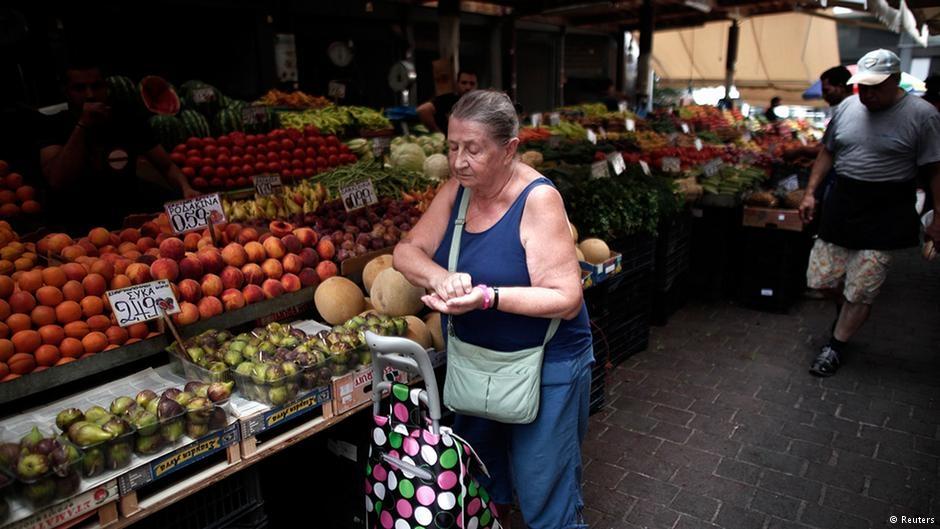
493, 109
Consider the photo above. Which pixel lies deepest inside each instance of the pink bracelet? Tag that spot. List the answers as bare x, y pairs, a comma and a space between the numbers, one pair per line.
486, 296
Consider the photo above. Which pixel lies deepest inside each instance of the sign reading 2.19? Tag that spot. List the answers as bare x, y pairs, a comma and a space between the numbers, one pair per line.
139, 303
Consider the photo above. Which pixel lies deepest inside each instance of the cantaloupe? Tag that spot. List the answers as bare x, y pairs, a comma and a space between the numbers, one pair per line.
369, 305
433, 322
418, 331
338, 299
595, 251
574, 232
373, 268
393, 295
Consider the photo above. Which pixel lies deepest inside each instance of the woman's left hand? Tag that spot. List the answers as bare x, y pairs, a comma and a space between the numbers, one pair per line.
455, 306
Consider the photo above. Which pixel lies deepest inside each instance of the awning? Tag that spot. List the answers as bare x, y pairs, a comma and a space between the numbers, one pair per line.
778, 55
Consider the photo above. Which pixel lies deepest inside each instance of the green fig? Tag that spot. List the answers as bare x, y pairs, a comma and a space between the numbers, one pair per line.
196, 387
66, 417
66, 486
94, 462
41, 492
118, 455
31, 467
195, 431
278, 395
84, 433
144, 397
220, 391
245, 368
146, 423
238, 346
273, 374
290, 369
97, 415
198, 411
250, 352
168, 409
117, 427
172, 431
196, 354
31, 439
232, 357
258, 373
183, 398
122, 405
153, 405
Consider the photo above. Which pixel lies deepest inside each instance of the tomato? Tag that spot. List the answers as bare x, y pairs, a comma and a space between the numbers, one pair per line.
301, 142
200, 183
272, 145
180, 148
332, 140
333, 150
250, 139
298, 153
194, 143
248, 169
284, 154
178, 158
273, 167
310, 162
251, 149
208, 141
193, 161
260, 167
193, 152
333, 160
222, 172
224, 160
188, 172
344, 149
236, 160
309, 171
207, 171
224, 140
297, 174
272, 157
231, 184
243, 182
311, 152
238, 151
296, 164
321, 162
310, 130
320, 142
287, 144
235, 170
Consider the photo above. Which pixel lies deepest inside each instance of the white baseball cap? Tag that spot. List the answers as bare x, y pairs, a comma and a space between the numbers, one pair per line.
875, 67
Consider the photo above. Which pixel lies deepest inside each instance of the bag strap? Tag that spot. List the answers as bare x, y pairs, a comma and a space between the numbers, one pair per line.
458, 229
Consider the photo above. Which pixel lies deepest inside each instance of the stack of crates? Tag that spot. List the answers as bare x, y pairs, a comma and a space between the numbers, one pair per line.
629, 298
671, 272
715, 249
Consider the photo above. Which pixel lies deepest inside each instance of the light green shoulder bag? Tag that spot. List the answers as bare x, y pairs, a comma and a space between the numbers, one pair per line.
497, 385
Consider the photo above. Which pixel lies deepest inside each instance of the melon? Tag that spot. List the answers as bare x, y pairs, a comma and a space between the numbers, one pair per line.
227, 121
338, 299
393, 295
195, 123
595, 251
201, 97
159, 96
433, 322
123, 94
169, 130
369, 305
373, 268
418, 332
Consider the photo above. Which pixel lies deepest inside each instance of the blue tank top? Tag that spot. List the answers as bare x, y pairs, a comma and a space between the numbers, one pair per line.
496, 257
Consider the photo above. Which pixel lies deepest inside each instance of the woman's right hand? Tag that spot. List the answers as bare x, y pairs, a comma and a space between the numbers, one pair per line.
452, 285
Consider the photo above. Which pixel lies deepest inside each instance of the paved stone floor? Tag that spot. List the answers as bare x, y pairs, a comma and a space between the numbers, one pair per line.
719, 424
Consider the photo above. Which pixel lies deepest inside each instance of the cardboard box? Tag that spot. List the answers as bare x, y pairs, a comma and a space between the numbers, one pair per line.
355, 388
781, 219
600, 272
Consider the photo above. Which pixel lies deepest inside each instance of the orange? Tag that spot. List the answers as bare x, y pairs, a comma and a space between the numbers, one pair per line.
47, 355
51, 334
26, 341
30, 281
94, 342
98, 322
54, 277
43, 315
19, 322
49, 296
21, 363
73, 291
72, 348
6, 349
76, 329
68, 311
92, 306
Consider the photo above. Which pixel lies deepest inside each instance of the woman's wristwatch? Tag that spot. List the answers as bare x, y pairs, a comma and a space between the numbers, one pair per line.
495, 305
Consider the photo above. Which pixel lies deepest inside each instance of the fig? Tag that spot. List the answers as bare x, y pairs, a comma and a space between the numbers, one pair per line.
122, 405
31, 467
144, 397
84, 433
30, 440
220, 391
67, 417
148, 444
171, 393
97, 415
94, 462
196, 387
168, 409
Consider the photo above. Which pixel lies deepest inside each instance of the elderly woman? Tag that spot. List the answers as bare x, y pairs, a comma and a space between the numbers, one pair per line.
516, 272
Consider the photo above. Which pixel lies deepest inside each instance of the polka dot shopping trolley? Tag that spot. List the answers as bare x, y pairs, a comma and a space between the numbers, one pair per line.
419, 474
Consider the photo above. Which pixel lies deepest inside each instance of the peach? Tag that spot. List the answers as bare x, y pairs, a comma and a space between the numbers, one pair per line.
191, 268
189, 313
146, 243
150, 229
74, 271
147, 259
76, 329
129, 235
22, 302
264, 237
116, 335
58, 242
326, 270
247, 235
211, 260
19, 322
272, 288
307, 236
172, 248
138, 273
54, 277
120, 281
42, 315
120, 266
6, 286
98, 322
232, 231
310, 257
203, 242
272, 268
325, 249
255, 251
189, 290
51, 334
67, 312
26, 341
127, 247
209, 306
280, 228
74, 291
292, 263
253, 274
191, 240
99, 236
94, 284
165, 268
234, 255
253, 294
211, 285
232, 278
292, 243
7, 267
5, 310
138, 330
309, 277
155, 252
92, 306
233, 299
94, 342
49, 296
103, 267
30, 281
274, 248
291, 283
90, 248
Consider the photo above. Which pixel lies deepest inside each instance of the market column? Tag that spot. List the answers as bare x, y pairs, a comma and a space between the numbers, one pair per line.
731, 57
644, 71
448, 12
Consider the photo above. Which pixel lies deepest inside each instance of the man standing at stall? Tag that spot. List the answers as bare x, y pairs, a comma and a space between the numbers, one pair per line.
877, 142
435, 112
89, 157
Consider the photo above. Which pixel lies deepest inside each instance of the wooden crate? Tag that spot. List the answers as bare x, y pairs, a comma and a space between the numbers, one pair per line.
266, 429
98, 503
782, 219
355, 388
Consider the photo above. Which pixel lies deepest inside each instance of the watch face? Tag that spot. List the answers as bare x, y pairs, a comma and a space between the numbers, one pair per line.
341, 54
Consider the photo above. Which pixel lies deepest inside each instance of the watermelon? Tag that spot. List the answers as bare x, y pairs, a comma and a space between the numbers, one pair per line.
169, 130
227, 121
201, 97
195, 123
159, 96
123, 93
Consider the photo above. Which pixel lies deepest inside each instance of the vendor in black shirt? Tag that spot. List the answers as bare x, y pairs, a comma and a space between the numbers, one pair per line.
89, 159
434, 113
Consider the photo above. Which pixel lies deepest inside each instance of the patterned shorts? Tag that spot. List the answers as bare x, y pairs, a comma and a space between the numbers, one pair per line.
862, 271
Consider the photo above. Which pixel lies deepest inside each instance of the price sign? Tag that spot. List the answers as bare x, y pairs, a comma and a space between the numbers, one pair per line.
195, 213
622, 106
698, 144
616, 160
645, 167
790, 183
359, 195
671, 164
380, 146
267, 185
712, 167
685, 128
591, 137
629, 124
554, 118
144, 302
203, 95
336, 90
536, 119
254, 115
599, 169
601, 132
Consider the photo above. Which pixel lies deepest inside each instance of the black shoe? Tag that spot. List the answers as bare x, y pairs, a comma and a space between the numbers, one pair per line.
826, 363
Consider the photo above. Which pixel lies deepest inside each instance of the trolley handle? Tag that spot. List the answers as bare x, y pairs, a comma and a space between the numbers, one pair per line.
405, 355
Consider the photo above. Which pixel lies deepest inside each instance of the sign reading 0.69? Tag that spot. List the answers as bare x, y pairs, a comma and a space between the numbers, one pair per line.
143, 302
195, 213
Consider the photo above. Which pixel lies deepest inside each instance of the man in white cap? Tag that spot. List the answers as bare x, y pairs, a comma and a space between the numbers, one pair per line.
878, 142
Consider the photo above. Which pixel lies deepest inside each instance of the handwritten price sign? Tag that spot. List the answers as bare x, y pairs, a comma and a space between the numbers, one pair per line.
267, 185
195, 213
359, 195
144, 302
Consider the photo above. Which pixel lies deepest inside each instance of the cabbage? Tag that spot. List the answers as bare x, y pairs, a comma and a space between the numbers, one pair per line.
408, 157
436, 168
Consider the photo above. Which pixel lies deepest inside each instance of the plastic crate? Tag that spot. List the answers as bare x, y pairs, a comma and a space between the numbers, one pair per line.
772, 273
673, 251
639, 252
715, 249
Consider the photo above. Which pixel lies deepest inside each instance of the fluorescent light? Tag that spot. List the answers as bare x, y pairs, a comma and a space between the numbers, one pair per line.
839, 10
703, 6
